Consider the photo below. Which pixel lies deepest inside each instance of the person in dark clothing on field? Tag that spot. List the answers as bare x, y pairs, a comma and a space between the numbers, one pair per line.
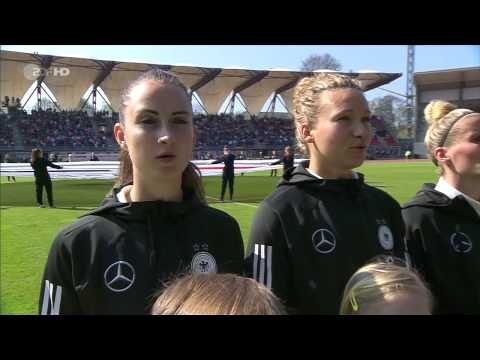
443, 220
8, 159
42, 177
323, 222
273, 172
228, 171
287, 160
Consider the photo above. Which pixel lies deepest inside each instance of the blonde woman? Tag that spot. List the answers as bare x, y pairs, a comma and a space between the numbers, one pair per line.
217, 294
155, 224
386, 287
323, 222
443, 219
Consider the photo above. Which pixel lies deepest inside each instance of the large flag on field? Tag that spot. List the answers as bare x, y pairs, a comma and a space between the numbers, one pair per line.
109, 169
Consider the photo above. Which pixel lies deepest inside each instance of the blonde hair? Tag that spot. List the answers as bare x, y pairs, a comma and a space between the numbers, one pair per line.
306, 99
191, 177
442, 117
374, 281
217, 294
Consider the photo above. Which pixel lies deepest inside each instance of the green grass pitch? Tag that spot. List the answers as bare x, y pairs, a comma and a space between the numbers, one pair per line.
26, 231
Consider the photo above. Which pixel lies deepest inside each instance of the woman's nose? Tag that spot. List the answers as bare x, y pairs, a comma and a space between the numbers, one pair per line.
163, 135
361, 129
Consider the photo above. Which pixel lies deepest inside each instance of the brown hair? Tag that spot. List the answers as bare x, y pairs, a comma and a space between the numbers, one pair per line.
306, 99
35, 154
442, 117
217, 294
191, 177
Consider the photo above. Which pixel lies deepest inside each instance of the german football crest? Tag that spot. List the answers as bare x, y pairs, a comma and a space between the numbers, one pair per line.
203, 263
385, 237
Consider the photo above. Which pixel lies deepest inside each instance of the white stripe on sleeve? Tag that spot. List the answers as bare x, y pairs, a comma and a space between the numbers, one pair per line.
255, 261
46, 297
262, 265
269, 267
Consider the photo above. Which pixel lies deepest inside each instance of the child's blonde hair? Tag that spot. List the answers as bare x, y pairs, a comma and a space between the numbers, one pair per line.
217, 294
372, 282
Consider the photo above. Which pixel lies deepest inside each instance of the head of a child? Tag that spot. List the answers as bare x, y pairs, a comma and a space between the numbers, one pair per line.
216, 294
386, 287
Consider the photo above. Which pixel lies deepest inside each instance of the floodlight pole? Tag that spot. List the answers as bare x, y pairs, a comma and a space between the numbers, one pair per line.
411, 88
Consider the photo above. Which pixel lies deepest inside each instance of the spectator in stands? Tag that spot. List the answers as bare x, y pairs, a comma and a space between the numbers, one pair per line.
323, 222
443, 220
156, 221
42, 177
217, 294
386, 286
73, 128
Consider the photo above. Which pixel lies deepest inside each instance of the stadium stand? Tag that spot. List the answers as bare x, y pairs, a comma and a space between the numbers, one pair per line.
76, 131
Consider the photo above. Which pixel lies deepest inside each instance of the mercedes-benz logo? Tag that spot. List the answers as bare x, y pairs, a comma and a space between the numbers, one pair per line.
324, 241
461, 243
119, 276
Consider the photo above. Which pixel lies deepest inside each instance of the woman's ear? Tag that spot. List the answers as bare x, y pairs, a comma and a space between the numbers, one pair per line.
306, 134
441, 155
120, 136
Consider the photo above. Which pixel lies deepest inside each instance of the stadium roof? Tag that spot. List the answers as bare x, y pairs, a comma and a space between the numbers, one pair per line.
212, 85
462, 75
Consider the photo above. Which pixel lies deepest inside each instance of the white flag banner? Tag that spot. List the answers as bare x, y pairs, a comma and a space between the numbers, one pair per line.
109, 169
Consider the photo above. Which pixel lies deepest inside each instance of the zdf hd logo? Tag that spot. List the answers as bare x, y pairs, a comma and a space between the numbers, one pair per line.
33, 72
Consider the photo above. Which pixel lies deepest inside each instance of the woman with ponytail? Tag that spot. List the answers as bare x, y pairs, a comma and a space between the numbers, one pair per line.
443, 220
155, 224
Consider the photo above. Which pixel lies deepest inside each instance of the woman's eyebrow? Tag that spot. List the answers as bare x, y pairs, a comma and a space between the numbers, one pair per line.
181, 113
141, 111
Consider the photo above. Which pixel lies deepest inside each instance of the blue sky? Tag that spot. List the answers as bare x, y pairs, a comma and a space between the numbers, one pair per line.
384, 58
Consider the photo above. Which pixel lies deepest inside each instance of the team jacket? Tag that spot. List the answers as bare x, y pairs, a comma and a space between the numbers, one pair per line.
114, 258
287, 162
310, 235
40, 169
443, 239
229, 164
